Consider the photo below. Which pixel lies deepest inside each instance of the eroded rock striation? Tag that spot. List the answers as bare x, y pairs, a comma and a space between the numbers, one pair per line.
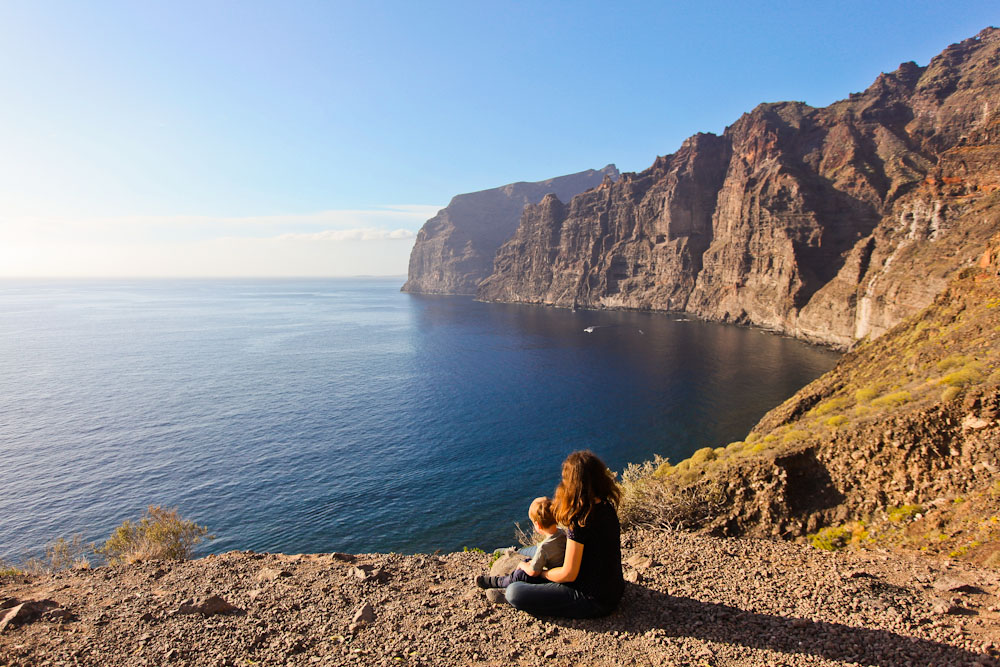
830, 224
454, 250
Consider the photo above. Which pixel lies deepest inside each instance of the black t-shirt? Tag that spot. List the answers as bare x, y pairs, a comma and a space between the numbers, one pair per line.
600, 576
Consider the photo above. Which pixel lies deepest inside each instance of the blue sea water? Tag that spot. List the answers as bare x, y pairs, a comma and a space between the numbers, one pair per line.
340, 414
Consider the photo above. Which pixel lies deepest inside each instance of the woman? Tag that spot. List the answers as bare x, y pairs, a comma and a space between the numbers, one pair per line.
589, 582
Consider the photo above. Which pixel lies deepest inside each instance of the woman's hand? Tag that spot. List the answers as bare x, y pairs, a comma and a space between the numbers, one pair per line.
571, 564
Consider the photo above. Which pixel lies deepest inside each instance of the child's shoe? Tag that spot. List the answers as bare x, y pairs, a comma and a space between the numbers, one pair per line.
486, 581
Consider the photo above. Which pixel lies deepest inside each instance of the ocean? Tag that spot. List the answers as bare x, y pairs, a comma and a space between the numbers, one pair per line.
317, 415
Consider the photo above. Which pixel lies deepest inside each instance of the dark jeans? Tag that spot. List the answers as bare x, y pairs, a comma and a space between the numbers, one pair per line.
520, 575
552, 599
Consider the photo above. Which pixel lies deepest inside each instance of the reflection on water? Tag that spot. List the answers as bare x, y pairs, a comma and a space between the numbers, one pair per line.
320, 415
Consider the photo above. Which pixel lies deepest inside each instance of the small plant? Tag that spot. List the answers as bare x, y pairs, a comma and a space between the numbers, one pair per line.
903, 513
162, 534
971, 373
865, 394
794, 436
950, 393
61, 554
8, 570
473, 550
836, 421
703, 455
894, 399
953, 361
834, 538
832, 405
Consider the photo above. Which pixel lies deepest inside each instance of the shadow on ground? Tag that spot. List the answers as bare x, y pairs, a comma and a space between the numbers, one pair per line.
645, 609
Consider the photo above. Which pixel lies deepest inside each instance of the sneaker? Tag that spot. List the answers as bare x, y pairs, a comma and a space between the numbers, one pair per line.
486, 581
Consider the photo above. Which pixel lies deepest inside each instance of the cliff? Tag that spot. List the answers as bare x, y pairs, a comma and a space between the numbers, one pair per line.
897, 446
815, 222
454, 250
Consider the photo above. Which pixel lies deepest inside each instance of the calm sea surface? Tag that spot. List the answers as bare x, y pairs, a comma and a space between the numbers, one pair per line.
323, 415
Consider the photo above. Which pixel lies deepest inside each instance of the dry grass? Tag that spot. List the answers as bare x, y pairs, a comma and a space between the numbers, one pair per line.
162, 534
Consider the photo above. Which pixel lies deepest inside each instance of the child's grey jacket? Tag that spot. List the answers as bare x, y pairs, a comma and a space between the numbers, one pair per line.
550, 552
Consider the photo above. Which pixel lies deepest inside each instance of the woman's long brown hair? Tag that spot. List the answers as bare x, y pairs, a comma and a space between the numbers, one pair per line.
585, 481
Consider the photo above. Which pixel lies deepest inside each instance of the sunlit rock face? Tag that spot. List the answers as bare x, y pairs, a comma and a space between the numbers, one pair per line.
828, 224
454, 250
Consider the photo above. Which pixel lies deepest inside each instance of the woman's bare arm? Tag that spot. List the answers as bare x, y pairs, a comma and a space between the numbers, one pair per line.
571, 564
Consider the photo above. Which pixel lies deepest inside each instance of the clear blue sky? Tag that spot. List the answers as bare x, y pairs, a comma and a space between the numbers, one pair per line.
132, 127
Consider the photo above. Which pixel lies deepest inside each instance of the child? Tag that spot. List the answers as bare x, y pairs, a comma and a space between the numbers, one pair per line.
548, 554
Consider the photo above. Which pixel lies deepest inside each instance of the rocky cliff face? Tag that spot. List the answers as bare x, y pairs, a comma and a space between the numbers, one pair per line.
454, 250
911, 419
828, 224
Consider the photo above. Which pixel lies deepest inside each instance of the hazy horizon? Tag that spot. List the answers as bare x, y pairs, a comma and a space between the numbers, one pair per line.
313, 140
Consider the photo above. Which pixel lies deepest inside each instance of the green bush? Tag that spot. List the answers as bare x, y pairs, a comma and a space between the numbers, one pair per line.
968, 374
833, 538
903, 512
865, 394
162, 534
893, 399
794, 436
703, 455
952, 362
830, 406
836, 421
949, 394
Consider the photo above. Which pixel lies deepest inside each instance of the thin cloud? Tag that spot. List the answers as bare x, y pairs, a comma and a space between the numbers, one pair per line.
361, 234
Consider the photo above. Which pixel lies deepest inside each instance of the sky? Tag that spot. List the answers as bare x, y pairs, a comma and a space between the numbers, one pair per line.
298, 138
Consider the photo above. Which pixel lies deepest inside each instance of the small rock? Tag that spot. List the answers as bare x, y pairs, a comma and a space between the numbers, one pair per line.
956, 585
632, 576
368, 573
347, 558
640, 562
206, 606
25, 612
973, 423
496, 595
59, 615
506, 564
270, 574
364, 615
549, 654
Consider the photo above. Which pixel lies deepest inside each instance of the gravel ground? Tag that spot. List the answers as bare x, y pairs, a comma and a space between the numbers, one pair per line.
691, 600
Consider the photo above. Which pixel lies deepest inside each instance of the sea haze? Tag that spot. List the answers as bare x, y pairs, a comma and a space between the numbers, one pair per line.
343, 415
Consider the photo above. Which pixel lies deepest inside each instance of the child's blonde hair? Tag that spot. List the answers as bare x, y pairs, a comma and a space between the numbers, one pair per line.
540, 512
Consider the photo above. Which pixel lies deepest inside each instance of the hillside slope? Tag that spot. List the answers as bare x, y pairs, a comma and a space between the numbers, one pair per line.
903, 434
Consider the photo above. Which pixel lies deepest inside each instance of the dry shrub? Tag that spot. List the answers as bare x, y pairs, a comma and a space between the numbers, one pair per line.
659, 501
162, 534
61, 554
525, 537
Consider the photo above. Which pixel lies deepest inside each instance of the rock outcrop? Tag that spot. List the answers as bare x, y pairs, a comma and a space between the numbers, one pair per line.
909, 420
454, 250
828, 224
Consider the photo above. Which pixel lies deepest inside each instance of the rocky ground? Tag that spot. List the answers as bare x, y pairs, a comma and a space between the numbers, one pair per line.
690, 600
